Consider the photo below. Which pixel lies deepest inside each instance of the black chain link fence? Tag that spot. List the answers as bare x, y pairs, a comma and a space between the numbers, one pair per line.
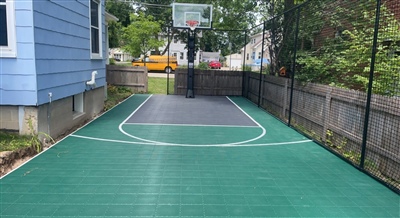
333, 73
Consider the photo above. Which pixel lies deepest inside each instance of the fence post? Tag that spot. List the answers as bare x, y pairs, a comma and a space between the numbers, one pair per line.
294, 64
261, 66
285, 92
327, 112
244, 61
371, 79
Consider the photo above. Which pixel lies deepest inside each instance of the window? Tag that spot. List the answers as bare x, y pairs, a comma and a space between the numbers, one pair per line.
8, 42
259, 55
175, 40
95, 28
181, 55
253, 55
247, 56
77, 105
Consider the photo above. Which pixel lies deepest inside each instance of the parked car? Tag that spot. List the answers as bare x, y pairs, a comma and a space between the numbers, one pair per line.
214, 65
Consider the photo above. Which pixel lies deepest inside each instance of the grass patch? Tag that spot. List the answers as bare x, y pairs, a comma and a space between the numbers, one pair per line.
13, 141
159, 85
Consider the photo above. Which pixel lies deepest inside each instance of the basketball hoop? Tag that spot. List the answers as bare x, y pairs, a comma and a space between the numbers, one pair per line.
192, 24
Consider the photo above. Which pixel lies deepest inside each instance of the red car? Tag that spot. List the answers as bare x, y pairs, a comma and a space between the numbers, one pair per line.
214, 65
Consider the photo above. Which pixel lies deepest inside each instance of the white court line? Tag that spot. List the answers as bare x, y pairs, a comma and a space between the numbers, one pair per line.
194, 125
64, 138
166, 143
191, 145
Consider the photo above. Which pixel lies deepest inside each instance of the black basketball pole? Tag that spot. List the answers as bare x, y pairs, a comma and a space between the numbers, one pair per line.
190, 76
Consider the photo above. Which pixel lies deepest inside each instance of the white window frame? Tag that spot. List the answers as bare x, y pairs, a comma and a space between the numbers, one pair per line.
9, 51
100, 54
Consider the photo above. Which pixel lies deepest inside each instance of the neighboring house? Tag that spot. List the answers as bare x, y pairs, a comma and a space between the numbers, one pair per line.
120, 55
234, 61
178, 49
253, 50
48, 52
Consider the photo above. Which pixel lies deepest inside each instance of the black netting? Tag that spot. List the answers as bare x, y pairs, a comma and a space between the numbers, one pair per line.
326, 47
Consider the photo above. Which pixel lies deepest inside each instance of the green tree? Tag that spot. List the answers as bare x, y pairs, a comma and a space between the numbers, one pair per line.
139, 37
122, 11
344, 61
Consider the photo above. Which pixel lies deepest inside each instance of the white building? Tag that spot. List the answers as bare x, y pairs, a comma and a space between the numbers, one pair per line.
234, 61
120, 55
178, 49
254, 51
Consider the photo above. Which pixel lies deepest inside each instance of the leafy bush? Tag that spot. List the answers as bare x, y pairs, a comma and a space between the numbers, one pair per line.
203, 66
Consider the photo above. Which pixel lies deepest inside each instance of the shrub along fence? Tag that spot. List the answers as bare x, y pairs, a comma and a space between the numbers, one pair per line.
342, 85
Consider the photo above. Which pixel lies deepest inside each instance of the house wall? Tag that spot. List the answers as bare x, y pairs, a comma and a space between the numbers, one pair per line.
18, 79
62, 48
60, 119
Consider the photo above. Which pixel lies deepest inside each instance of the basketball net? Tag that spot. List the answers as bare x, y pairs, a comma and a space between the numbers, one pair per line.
192, 24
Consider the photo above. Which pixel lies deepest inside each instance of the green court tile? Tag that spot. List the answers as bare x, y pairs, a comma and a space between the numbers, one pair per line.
98, 199
67, 210
215, 210
92, 210
192, 210
106, 189
124, 199
43, 210
54, 199
272, 191
354, 212
342, 202
214, 199
168, 210
78, 198
299, 201
170, 189
321, 201
306, 211
190, 181
239, 210
331, 212
209, 181
257, 200
377, 211
235, 200
207, 190
142, 199
17, 209
286, 211
129, 189
8, 199
170, 199
263, 211
119, 210
191, 199
190, 189
30, 198
393, 211
292, 191
143, 210
278, 200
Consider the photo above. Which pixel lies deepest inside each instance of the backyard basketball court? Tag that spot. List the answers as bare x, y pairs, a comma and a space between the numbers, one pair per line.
171, 156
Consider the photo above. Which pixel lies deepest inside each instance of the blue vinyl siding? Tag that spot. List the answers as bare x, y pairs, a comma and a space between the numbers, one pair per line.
53, 52
18, 76
62, 48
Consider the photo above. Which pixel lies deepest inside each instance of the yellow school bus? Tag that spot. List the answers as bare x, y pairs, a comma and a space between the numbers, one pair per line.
157, 63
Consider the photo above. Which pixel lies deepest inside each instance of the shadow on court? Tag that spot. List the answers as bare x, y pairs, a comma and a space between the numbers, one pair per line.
168, 156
